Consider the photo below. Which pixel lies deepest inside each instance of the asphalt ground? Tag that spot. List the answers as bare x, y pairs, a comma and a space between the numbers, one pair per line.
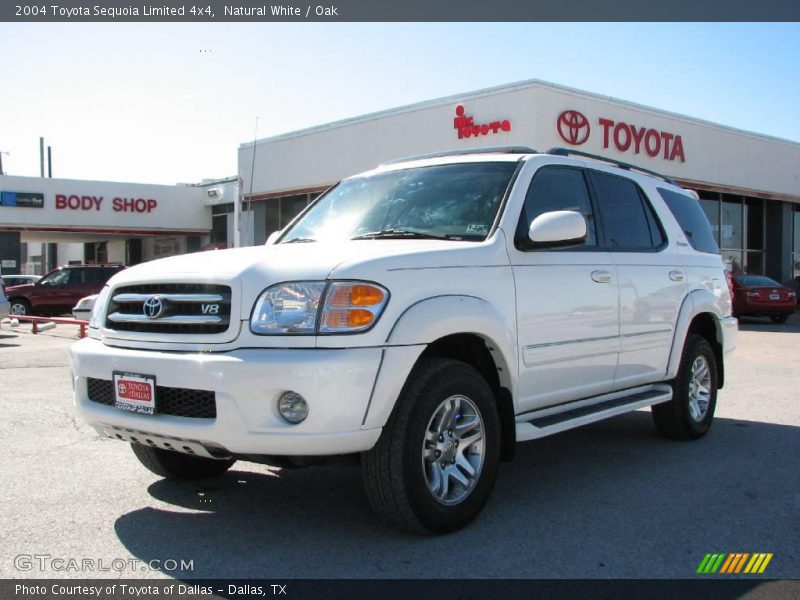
610, 500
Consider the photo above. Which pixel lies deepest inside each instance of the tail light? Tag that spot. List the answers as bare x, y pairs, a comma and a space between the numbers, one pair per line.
730, 282
755, 294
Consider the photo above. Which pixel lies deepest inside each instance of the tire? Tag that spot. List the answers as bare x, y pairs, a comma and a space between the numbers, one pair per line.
175, 465
683, 418
398, 471
20, 307
779, 318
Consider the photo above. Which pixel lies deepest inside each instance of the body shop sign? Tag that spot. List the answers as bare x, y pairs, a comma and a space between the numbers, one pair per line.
95, 203
575, 129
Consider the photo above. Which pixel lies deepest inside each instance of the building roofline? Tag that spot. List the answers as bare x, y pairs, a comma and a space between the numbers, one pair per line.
494, 90
100, 181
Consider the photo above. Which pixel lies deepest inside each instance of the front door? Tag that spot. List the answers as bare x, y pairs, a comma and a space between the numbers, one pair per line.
567, 300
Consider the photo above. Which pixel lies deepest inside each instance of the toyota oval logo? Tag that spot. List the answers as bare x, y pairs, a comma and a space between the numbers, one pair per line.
573, 127
153, 307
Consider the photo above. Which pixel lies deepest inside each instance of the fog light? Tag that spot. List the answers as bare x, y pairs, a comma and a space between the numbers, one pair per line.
293, 407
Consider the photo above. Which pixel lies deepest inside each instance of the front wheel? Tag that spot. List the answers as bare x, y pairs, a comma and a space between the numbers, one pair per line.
175, 465
20, 307
436, 462
779, 318
689, 414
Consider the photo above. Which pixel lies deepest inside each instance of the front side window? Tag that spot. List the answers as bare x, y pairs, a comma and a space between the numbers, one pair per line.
60, 277
628, 222
556, 188
455, 202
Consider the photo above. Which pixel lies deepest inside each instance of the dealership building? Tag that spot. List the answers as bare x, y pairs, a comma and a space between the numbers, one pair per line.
748, 183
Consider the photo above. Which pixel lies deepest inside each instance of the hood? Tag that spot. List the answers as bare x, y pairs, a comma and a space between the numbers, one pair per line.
281, 262
19, 289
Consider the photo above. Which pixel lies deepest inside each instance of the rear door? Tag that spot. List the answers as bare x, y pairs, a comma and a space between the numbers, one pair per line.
567, 300
652, 281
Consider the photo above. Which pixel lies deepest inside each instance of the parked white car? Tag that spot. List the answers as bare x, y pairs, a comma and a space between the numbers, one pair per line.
83, 309
426, 315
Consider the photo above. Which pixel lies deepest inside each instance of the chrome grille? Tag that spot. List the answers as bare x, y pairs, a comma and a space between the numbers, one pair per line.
170, 308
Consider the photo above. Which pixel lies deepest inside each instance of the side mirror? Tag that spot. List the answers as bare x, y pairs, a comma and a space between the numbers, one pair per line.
558, 228
272, 237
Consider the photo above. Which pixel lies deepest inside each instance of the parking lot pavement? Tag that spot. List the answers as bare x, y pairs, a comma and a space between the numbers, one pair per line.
608, 500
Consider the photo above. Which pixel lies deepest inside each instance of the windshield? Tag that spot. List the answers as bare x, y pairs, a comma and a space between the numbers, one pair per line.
454, 202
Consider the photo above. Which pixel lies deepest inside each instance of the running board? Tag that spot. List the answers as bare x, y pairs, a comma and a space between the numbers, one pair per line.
554, 419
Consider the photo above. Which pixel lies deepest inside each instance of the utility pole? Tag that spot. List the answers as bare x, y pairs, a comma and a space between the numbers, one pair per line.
49, 163
41, 157
1, 161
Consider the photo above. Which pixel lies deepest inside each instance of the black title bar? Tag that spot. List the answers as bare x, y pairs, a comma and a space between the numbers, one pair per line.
389, 589
397, 10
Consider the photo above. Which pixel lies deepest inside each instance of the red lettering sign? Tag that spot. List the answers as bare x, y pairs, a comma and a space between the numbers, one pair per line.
138, 205
466, 127
73, 202
574, 129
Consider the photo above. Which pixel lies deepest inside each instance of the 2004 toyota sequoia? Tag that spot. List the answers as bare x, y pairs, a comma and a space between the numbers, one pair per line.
426, 315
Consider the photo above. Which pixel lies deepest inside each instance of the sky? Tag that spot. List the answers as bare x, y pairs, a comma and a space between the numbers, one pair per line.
168, 103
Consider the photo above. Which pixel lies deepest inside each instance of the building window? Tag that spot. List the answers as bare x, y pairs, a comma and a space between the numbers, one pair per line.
219, 223
280, 211
95, 253
738, 223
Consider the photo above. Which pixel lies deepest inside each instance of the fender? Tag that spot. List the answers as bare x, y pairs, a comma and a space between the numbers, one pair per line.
425, 322
696, 302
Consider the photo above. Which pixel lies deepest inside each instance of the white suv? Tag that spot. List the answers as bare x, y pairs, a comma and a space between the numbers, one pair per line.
426, 315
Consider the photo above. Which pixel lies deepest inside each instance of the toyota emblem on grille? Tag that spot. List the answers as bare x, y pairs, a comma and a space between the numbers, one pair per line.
153, 307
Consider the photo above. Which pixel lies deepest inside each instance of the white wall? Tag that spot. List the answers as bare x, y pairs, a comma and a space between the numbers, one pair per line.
116, 251
714, 154
69, 252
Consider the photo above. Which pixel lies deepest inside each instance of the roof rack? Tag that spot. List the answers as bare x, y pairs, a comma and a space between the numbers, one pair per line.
558, 151
488, 150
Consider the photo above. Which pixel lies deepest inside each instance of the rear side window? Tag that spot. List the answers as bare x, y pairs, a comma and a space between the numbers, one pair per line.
556, 188
690, 216
99, 274
628, 220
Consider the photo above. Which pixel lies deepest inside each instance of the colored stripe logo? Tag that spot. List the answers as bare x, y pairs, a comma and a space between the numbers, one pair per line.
734, 562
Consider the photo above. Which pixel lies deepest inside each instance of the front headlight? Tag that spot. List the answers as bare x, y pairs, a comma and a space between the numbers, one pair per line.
99, 308
287, 308
318, 307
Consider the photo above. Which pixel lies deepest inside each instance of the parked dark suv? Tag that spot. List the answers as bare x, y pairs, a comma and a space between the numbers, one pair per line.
59, 290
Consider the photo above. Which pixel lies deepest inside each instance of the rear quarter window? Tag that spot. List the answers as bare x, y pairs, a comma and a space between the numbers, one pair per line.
690, 216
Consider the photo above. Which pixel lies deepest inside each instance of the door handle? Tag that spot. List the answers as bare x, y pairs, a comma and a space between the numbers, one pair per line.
676, 275
601, 276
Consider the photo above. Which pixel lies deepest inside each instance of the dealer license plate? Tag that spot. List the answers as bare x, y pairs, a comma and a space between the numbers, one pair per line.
135, 392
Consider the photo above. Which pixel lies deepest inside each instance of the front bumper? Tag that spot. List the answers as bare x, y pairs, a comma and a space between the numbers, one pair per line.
336, 383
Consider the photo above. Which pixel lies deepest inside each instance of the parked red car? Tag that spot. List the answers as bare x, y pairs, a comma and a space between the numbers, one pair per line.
59, 290
759, 296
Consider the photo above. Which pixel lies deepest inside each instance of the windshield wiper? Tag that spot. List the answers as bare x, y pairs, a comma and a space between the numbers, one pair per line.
400, 234
301, 240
